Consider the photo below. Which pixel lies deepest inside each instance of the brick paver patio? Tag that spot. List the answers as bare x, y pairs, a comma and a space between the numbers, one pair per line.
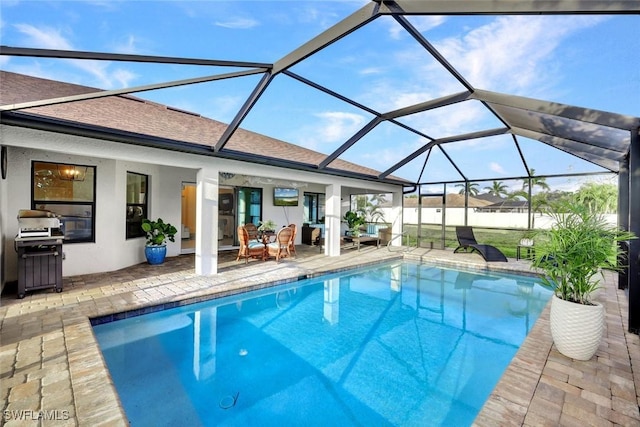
52, 371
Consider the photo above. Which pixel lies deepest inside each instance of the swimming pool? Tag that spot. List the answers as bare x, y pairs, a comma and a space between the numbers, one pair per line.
402, 343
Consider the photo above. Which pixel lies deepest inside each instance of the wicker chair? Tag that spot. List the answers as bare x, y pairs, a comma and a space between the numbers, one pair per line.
249, 248
252, 230
292, 243
280, 248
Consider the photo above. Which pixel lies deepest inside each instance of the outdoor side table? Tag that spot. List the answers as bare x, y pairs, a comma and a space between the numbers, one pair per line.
529, 249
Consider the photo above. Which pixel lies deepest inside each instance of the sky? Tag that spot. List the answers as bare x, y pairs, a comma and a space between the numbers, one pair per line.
589, 61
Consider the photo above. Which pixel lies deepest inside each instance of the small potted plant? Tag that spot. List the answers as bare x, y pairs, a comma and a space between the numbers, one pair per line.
267, 226
354, 222
158, 232
572, 254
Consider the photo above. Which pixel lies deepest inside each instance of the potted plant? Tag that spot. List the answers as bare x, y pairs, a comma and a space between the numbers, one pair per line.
572, 255
158, 232
267, 226
354, 222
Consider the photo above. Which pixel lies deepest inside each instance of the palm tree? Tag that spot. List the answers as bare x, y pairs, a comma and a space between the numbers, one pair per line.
471, 187
599, 198
374, 210
497, 189
535, 182
368, 206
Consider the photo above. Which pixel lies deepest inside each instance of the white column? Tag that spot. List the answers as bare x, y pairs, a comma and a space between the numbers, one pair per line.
332, 220
396, 217
207, 222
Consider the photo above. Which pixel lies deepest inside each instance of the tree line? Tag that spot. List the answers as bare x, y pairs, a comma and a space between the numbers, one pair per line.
596, 197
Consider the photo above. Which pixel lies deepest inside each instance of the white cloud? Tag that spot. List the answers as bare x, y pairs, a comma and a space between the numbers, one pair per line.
50, 38
517, 54
128, 46
426, 23
496, 167
421, 23
331, 127
338, 126
513, 54
44, 38
123, 77
225, 107
238, 23
446, 121
370, 70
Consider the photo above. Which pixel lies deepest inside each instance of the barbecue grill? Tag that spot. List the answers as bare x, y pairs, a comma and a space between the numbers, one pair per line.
39, 247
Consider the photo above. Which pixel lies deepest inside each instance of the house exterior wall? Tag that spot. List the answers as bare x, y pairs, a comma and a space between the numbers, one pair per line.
111, 249
4, 235
167, 170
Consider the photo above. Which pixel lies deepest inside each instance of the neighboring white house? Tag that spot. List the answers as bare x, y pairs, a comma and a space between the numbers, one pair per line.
138, 158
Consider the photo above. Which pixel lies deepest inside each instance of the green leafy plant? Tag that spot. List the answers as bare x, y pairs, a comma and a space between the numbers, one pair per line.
354, 222
577, 247
158, 232
267, 225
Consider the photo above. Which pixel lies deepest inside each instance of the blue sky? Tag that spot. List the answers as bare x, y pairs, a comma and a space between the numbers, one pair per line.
589, 61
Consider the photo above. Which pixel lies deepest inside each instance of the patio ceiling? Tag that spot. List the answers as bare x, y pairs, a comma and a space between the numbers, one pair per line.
601, 139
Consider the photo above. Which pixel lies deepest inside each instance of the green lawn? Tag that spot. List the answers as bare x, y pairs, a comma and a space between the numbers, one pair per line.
505, 240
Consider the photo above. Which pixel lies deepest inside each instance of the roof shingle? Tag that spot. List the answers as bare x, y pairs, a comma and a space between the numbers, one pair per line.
136, 115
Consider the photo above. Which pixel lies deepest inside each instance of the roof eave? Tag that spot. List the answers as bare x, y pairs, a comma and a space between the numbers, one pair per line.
31, 121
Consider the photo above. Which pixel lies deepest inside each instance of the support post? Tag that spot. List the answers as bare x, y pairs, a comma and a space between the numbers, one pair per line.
623, 222
634, 226
332, 220
206, 216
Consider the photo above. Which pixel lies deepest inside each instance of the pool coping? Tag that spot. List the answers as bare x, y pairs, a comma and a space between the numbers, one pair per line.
50, 357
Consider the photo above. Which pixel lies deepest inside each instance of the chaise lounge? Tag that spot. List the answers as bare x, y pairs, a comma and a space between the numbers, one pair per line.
468, 243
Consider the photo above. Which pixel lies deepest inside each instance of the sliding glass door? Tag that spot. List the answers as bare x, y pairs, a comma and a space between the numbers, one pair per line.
249, 207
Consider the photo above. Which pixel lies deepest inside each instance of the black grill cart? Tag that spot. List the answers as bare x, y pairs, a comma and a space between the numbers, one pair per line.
39, 247
39, 264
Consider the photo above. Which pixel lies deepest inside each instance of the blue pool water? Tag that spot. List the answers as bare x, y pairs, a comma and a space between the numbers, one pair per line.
402, 344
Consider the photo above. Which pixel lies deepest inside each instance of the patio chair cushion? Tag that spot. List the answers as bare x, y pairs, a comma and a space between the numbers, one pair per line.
254, 244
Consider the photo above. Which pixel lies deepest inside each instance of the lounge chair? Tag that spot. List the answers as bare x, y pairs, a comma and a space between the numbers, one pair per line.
468, 243
249, 248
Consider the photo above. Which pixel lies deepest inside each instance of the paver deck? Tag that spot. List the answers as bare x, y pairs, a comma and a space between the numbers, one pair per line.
52, 371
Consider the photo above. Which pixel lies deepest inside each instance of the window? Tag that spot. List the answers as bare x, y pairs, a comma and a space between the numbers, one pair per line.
137, 208
314, 205
68, 191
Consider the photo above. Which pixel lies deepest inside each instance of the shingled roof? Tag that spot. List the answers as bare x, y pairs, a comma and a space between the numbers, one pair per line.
453, 201
134, 115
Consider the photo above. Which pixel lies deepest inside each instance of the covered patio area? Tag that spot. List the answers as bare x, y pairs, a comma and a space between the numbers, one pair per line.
49, 357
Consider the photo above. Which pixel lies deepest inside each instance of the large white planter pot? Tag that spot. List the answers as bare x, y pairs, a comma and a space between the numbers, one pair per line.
576, 328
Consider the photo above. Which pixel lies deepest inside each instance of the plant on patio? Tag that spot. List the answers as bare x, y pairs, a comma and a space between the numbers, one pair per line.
267, 226
571, 254
158, 232
354, 221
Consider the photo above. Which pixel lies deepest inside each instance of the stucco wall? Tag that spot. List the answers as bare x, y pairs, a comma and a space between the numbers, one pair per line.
167, 170
111, 249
